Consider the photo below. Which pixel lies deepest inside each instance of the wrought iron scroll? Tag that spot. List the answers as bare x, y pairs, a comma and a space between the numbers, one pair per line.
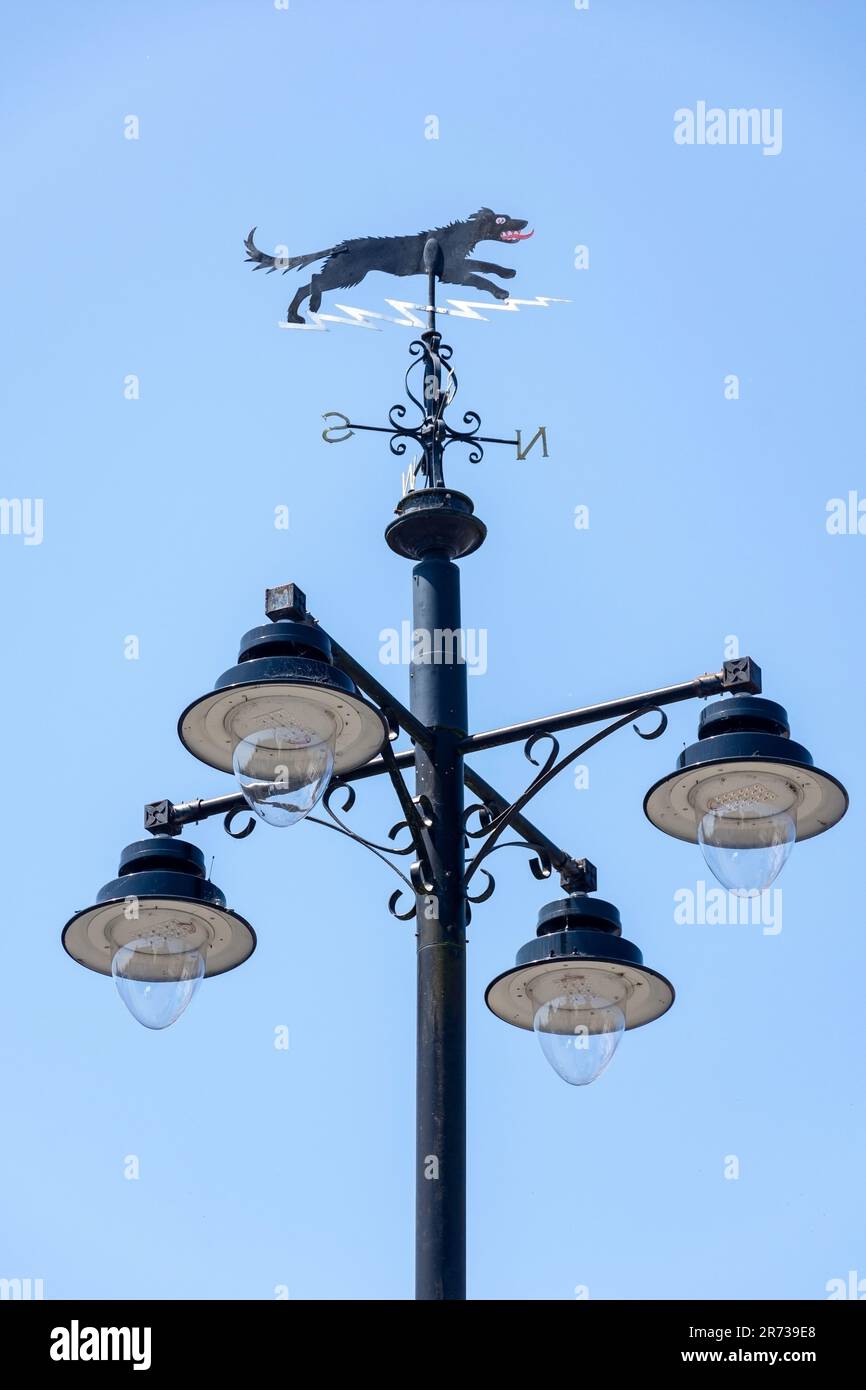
417, 820
238, 834
433, 358
492, 826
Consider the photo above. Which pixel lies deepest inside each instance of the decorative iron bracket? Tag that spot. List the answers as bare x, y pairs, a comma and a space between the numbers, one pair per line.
492, 827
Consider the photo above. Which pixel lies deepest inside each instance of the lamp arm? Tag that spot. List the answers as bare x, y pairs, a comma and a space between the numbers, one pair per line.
495, 812
741, 674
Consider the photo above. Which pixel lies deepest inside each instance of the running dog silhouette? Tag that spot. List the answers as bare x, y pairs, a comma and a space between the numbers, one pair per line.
348, 262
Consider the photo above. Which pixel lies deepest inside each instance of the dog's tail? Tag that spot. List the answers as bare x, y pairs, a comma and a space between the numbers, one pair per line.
262, 261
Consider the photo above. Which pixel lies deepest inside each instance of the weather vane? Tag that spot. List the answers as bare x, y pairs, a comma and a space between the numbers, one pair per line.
441, 254
347, 263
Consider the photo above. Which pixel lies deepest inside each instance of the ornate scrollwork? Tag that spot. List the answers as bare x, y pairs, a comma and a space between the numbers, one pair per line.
424, 818
493, 825
421, 878
418, 817
540, 865
551, 757
662, 724
432, 358
487, 891
397, 442
380, 854
238, 834
485, 816
418, 353
350, 798
392, 907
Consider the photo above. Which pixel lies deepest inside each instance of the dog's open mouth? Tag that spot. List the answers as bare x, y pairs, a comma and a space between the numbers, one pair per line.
516, 236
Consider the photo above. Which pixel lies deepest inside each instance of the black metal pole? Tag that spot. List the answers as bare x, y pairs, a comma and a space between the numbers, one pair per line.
434, 527
438, 698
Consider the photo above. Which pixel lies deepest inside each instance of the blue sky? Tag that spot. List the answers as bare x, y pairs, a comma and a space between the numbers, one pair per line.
261, 1168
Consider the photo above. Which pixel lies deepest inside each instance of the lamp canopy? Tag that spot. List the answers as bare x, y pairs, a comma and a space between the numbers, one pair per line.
744, 750
282, 666
579, 948
161, 891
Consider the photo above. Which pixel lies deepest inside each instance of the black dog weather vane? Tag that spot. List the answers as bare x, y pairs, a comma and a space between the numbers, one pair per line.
347, 263
441, 254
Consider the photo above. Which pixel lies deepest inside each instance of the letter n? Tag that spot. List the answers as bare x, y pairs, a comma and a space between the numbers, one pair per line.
540, 433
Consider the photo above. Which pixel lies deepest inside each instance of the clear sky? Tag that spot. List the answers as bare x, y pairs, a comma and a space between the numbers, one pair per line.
262, 1168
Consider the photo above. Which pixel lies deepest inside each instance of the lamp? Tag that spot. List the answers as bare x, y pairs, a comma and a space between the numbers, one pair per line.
745, 792
285, 719
159, 928
579, 984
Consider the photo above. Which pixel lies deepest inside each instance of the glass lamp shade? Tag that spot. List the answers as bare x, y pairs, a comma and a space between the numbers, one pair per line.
579, 985
284, 769
746, 826
158, 974
579, 1029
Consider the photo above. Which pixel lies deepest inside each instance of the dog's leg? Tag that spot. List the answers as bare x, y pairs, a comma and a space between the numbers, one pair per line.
316, 288
334, 276
478, 283
292, 313
506, 271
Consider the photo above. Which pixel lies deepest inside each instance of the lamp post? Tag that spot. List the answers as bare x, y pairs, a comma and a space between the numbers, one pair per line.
299, 721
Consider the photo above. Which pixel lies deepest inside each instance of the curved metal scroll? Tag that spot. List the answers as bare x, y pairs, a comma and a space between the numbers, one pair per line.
238, 834
433, 358
551, 767
417, 813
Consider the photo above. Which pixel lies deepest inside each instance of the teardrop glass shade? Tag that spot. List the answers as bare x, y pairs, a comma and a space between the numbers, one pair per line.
579, 1033
285, 770
156, 977
746, 835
